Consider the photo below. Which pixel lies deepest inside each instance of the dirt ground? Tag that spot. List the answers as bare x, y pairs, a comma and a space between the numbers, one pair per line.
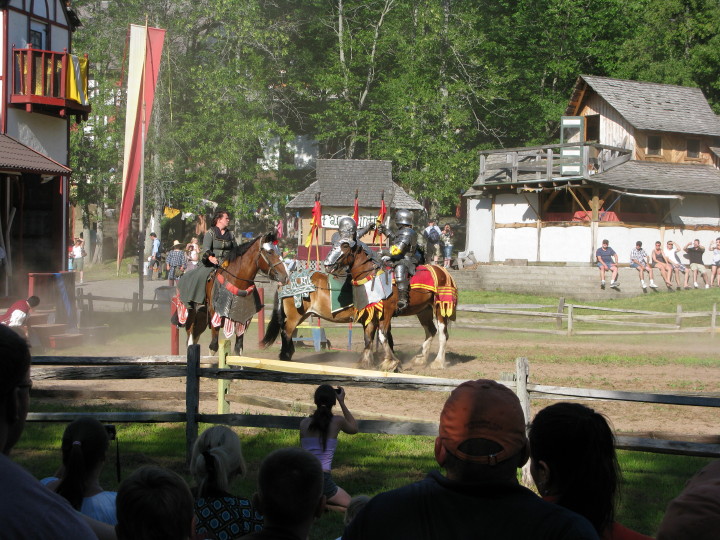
659, 364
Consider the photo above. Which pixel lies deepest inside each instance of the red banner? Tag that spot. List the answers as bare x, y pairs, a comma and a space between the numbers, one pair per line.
145, 51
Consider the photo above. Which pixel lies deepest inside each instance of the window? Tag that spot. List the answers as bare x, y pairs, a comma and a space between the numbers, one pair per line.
592, 128
693, 148
654, 145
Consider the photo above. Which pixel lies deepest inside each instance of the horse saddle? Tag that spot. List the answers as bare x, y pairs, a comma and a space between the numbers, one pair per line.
236, 308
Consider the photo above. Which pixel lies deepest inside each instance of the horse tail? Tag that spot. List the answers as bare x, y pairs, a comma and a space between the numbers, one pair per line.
275, 324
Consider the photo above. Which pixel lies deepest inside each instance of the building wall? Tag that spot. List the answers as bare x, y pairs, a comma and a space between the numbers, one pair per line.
502, 228
674, 148
43, 133
614, 129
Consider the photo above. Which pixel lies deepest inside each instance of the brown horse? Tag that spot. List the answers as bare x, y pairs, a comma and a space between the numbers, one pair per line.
286, 317
423, 302
237, 273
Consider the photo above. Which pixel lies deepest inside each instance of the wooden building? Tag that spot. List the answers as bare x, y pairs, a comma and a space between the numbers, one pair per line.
336, 182
43, 88
637, 161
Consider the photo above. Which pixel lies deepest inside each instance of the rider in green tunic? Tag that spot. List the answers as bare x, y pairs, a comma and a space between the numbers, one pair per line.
217, 243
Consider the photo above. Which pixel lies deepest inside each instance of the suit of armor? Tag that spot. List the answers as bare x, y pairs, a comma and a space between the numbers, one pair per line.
401, 254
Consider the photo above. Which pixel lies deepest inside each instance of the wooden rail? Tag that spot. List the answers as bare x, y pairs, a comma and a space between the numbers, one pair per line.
194, 367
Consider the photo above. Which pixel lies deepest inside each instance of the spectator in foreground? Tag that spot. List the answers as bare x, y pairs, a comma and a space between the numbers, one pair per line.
154, 503
607, 259
16, 315
216, 460
289, 496
357, 503
695, 513
481, 444
319, 436
573, 463
84, 446
27, 508
640, 261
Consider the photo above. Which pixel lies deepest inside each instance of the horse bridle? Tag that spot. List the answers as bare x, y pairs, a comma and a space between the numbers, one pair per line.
368, 260
261, 252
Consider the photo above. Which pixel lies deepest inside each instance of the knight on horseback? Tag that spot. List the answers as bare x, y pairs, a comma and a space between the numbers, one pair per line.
401, 254
349, 233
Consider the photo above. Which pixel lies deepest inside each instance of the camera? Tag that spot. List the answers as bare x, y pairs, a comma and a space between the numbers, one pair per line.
111, 431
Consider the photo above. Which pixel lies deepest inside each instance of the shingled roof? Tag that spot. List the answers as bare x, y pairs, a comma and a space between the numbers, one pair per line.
15, 156
337, 180
661, 177
652, 106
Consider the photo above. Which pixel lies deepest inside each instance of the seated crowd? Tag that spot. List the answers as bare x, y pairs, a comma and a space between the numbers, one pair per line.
671, 262
482, 442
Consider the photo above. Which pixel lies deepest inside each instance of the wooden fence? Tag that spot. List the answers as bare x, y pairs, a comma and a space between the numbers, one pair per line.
195, 367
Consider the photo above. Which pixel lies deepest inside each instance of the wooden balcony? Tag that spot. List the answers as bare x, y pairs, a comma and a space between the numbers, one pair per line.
41, 83
549, 162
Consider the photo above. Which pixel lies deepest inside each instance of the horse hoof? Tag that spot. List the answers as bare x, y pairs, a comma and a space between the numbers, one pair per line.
391, 367
437, 365
419, 361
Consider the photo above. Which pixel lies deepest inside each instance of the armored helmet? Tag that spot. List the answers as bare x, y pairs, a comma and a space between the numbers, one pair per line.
347, 230
403, 217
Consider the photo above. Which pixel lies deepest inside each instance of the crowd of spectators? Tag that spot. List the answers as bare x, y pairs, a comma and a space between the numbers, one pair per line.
481, 444
679, 268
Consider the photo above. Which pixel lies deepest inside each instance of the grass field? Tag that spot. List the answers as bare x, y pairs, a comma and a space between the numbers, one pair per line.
364, 463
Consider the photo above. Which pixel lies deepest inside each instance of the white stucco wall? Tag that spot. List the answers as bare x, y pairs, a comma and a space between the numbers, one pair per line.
696, 210
479, 228
515, 243
43, 133
565, 244
514, 208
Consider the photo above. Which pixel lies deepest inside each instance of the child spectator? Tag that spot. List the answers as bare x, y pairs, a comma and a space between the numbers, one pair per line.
216, 460
16, 315
84, 446
154, 503
318, 435
573, 463
290, 486
357, 503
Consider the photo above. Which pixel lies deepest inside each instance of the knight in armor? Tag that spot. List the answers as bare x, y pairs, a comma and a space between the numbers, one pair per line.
217, 243
401, 254
350, 234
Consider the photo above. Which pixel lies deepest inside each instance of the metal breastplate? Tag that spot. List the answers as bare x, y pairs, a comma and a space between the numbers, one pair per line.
409, 238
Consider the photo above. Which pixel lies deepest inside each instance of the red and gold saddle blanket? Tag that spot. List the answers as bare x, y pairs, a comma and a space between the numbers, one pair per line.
445, 295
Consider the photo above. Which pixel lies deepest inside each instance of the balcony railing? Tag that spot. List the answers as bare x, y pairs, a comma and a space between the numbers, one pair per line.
50, 82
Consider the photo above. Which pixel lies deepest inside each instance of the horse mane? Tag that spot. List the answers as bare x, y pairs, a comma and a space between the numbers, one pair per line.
241, 249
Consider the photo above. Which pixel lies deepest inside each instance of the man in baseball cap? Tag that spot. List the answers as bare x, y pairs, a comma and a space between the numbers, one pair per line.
481, 443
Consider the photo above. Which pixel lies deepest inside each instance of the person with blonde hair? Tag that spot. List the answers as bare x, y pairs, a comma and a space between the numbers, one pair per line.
216, 461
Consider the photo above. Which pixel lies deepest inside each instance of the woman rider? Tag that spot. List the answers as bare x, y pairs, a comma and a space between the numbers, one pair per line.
217, 243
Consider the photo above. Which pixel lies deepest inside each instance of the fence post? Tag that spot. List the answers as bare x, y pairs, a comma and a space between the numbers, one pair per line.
560, 309
713, 320
570, 320
522, 373
192, 399
223, 384
678, 317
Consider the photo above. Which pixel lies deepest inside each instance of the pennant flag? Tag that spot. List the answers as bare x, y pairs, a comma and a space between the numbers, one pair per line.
144, 55
315, 221
170, 213
381, 214
356, 209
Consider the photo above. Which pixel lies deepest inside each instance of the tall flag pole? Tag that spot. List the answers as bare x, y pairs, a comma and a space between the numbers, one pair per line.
145, 52
315, 222
381, 215
356, 209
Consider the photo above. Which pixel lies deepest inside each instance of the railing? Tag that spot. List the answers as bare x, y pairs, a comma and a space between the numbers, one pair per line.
546, 162
40, 79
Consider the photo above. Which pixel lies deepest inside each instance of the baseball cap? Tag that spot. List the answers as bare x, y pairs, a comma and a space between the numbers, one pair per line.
695, 513
483, 409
